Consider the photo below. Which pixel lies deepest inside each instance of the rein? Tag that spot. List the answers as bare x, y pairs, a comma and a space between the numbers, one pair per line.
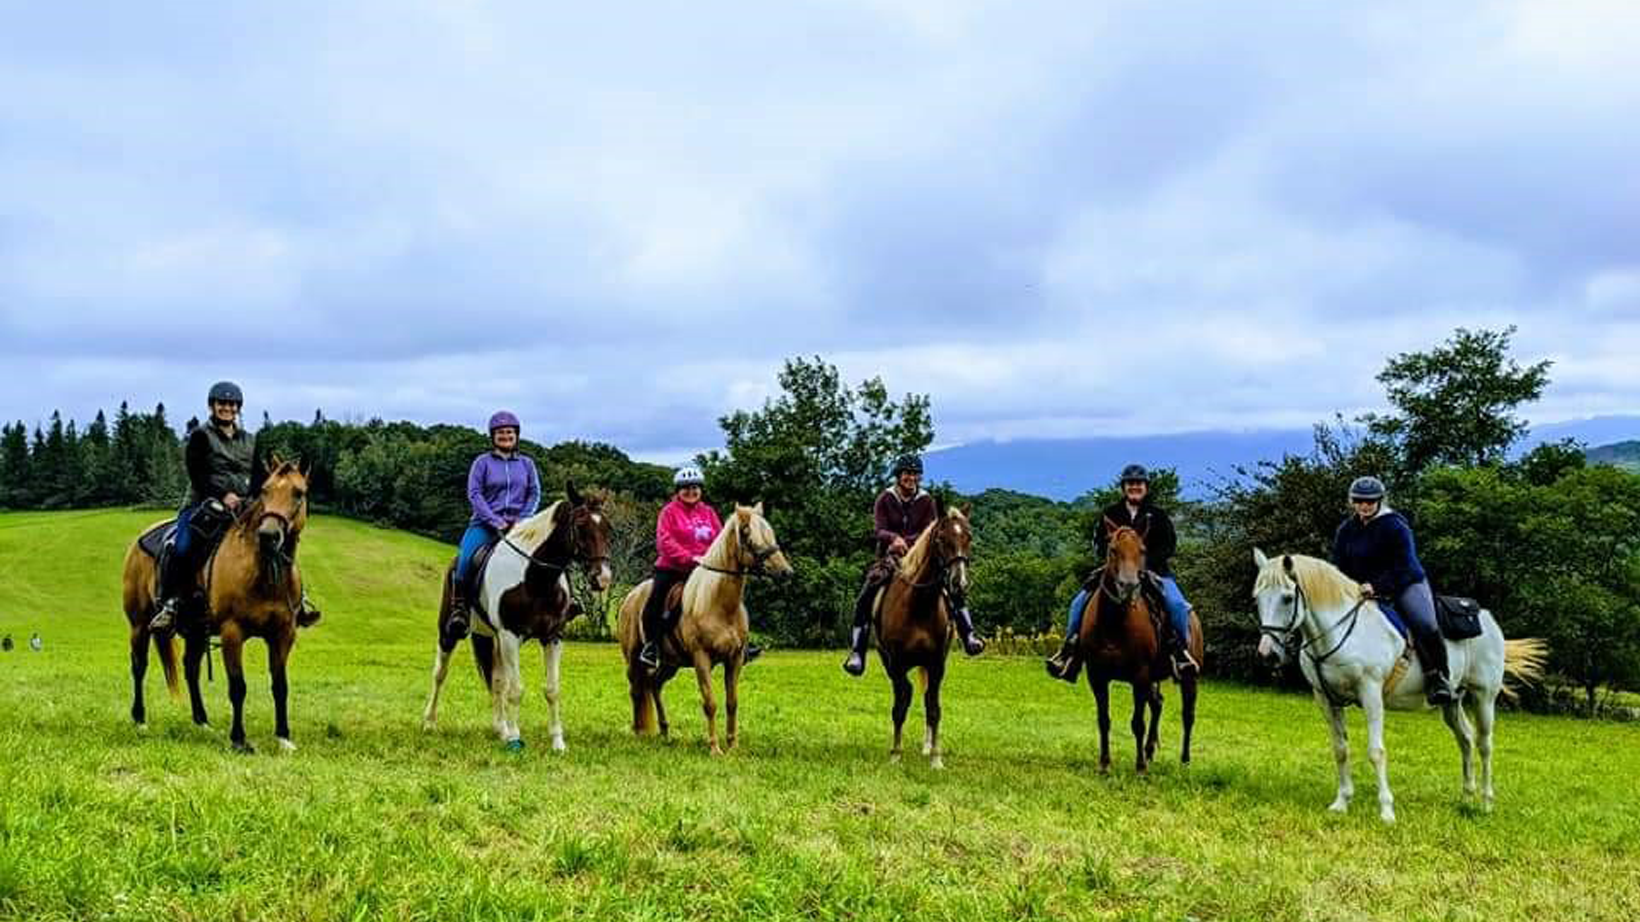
1285, 636
760, 557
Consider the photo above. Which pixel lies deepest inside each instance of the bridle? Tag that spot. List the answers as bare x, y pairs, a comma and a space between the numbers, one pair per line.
760, 556
1292, 635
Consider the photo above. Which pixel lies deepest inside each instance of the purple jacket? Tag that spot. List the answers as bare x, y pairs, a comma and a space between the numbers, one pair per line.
502, 490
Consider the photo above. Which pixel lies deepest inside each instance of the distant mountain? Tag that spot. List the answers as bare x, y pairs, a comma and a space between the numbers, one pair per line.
1064, 469
1621, 454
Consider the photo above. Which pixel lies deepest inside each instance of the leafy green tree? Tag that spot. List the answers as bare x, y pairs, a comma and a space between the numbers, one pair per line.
1456, 402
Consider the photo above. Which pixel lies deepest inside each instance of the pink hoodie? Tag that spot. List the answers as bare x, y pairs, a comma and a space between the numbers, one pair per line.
684, 532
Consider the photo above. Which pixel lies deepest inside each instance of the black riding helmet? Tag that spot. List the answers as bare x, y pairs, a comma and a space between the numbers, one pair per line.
910, 463
1135, 473
225, 392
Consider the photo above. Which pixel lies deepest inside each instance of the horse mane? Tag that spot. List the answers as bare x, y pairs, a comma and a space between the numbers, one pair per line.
1324, 584
917, 557
535, 530
719, 548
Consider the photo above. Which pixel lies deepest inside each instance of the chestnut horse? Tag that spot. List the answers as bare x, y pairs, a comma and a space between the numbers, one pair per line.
914, 620
252, 587
713, 627
1120, 641
525, 593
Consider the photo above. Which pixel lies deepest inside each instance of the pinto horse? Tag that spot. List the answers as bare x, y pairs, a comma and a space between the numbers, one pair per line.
1349, 654
252, 587
914, 620
1120, 640
713, 627
526, 596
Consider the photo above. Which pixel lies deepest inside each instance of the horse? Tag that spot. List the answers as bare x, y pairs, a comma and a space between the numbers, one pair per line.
913, 621
1352, 654
712, 629
525, 592
252, 587
1120, 640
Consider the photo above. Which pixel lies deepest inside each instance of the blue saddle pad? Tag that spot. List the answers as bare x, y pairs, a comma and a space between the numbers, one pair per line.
1395, 619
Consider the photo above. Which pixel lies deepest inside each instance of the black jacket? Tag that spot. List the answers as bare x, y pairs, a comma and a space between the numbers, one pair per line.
1153, 526
218, 465
1380, 551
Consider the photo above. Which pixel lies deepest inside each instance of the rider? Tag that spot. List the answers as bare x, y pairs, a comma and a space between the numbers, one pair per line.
684, 530
1374, 547
219, 457
1135, 510
504, 489
901, 513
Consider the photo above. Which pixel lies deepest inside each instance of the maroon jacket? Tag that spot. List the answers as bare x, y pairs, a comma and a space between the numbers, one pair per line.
899, 518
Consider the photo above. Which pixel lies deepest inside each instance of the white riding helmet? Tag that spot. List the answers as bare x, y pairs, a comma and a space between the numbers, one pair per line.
687, 477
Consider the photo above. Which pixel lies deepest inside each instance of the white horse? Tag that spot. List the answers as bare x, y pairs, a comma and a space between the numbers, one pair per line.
1350, 653
525, 593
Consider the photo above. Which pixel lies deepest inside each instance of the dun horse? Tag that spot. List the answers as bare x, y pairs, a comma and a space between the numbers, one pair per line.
1120, 641
525, 595
1350, 654
252, 588
914, 620
712, 629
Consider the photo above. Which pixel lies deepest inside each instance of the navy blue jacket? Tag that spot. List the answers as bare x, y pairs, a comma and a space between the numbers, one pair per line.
1380, 552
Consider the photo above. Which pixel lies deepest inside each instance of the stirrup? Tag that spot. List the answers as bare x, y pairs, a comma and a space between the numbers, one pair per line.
164, 621
1183, 662
649, 655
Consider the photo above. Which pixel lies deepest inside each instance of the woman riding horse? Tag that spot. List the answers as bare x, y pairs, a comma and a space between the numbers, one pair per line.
222, 477
504, 489
685, 528
1374, 547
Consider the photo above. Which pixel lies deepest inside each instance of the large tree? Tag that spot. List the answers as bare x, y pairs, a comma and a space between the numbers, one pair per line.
1455, 403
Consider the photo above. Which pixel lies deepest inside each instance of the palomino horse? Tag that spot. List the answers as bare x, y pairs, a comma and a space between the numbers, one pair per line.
1350, 652
1120, 641
253, 588
525, 594
914, 620
713, 627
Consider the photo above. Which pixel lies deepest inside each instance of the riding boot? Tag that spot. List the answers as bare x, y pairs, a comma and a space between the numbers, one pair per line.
1432, 655
649, 655
169, 612
753, 651
855, 665
456, 627
1178, 650
972, 643
1067, 663
307, 615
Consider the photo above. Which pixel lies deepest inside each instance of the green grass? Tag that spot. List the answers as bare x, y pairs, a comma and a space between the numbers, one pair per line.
374, 819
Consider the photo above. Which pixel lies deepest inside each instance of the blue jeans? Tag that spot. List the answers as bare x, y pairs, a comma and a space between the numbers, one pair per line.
476, 536
1178, 610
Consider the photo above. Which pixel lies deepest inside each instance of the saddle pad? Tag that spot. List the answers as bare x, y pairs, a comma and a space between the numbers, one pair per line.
1460, 618
154, 540
1395, 619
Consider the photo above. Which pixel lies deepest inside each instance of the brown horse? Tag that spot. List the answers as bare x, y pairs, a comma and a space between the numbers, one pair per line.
1120, 640
252, 587
713, 627
914, 620
525, 594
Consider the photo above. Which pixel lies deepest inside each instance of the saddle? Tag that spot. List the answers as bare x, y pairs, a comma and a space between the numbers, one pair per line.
209, 523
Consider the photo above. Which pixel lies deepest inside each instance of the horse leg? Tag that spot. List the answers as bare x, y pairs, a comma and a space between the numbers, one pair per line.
1154, 737
931, 715
198, 647
1372, 705
1187, 714
1459, 725
731, 699
441, 670
1101, 697
655, 688
1141, 700
708, 702
901, 684
278, 655
1485, 704
233, 663
506, 689
1341, 753
552, 655
139, 669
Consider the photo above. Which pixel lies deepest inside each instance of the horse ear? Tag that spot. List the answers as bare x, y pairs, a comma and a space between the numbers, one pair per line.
967, 510
1287, 563
758, 507
939, 507
1259, 560
271, 462
574, 495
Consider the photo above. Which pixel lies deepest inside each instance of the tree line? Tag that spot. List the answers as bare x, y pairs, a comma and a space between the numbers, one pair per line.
1550, 543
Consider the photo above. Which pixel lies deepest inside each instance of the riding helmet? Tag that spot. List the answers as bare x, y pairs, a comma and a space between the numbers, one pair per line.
225, 392
1135, 473
502, 420
910, 463
1367, 488
687, 476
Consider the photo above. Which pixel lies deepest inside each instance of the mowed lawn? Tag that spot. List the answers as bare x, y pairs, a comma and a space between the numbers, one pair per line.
373, 818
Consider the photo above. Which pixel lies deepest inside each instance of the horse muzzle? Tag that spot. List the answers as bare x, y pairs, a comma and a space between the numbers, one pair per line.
1270, 652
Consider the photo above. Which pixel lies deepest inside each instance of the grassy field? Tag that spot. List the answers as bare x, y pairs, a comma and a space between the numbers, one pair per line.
372, 818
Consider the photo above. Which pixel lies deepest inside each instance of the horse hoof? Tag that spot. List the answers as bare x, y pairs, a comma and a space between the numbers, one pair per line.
937, 764
244, 747
1339, 806
428, 725
1387, 816
286, 745
515, 745
558, 744
894, 758
142, 727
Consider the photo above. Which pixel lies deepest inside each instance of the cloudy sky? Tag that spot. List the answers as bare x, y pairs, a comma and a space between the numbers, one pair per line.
1057, 219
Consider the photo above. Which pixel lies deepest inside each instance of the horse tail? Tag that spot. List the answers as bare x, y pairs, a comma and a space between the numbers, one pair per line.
1524, 659
922, 678
166, 647
643, 706
484, 657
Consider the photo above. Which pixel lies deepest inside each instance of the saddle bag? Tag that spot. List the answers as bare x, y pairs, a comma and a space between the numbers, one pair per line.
1460, 618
